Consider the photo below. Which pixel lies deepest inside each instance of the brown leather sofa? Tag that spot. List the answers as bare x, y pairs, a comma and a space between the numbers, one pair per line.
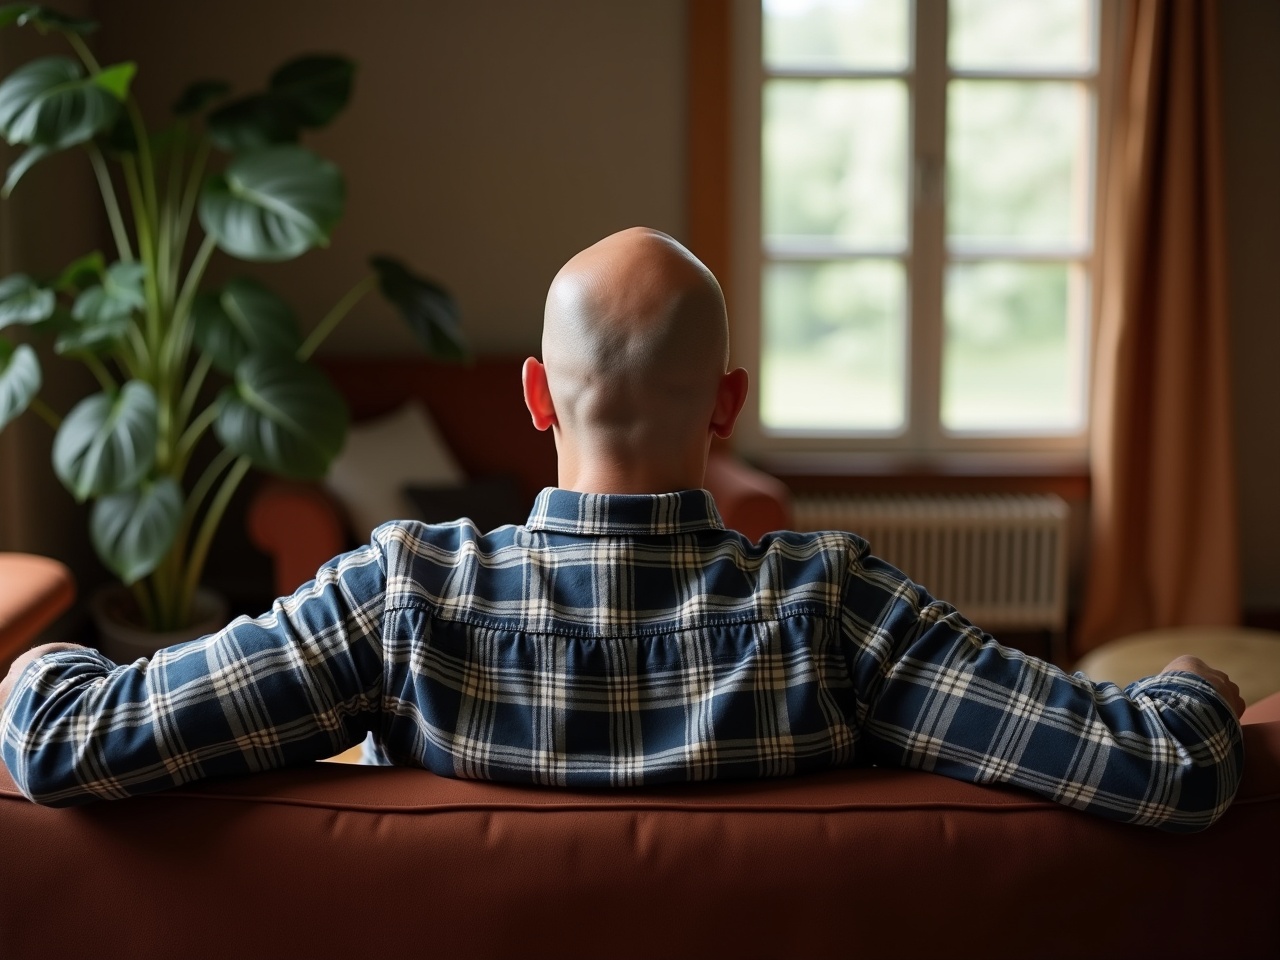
343, 861
480, 412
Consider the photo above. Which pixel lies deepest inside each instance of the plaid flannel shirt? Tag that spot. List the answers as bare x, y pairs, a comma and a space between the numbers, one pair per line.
618, 641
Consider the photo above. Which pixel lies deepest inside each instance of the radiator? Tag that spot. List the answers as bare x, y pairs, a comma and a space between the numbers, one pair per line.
1000, 560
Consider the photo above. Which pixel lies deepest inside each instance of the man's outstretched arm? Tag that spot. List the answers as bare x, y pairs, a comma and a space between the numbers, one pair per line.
299, 683
939, 695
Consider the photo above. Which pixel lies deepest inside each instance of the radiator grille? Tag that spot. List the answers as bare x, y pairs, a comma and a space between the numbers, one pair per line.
1000, 560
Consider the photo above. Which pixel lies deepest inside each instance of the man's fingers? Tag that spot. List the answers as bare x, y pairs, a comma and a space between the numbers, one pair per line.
1225, 686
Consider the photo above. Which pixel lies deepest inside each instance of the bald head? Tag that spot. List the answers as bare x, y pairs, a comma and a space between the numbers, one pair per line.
635, 344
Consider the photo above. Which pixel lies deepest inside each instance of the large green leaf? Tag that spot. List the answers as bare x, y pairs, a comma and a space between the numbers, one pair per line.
22, 300
18, 169
43, 19
133, 530
49, 102
107, 443
254, 122
95, 337
243, 318
119, 294
81, 273
284, 415
307, 92
19, 379
429, 309
199, 95
318, 87
274, 204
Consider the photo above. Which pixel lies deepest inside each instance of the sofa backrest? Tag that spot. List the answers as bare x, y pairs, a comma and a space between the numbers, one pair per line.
341, 861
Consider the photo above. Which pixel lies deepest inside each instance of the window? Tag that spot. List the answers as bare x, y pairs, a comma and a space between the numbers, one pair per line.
916, 190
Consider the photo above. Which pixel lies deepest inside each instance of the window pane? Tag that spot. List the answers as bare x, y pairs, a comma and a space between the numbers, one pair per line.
1017, 161
833, 346
835, 160
836, 33
1012, 356
1021, 34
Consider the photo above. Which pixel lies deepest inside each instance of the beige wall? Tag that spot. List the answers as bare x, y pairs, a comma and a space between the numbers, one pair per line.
486, 141
1250, 36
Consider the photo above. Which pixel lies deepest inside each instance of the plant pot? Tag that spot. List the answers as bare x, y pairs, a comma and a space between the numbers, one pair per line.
124, 640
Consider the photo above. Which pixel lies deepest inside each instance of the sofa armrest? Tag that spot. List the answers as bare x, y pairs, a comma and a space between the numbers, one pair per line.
299, 526
750, 501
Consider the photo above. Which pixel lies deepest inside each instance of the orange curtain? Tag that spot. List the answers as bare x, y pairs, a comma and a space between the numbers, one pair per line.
1163, 548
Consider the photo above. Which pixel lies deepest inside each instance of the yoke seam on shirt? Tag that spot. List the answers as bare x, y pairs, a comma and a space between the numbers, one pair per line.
423, 605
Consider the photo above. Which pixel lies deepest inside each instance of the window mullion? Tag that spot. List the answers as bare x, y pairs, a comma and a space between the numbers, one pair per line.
928, 223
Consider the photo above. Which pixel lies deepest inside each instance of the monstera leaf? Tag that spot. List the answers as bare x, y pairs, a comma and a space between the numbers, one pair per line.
429, 309
43, 19
22, 300
254, 122
134, 529
52, 103
107, 443
284, 416
200, 95
317, 86
274, 204
119, 294
81, 273
243, 318
19, 379
304, 93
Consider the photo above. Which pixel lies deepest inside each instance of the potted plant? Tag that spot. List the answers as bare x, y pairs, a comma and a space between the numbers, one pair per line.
141, 322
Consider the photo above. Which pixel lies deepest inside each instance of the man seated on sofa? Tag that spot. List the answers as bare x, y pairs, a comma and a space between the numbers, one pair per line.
622, 637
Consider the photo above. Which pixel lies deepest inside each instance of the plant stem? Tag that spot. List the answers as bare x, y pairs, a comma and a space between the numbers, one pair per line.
145, 605
83, 52
141, 356
335, 315
170, 571
209, 526
194, 276
99, 371
195, 177
111, 203
145, 161
191, 392
171, 244
191, 436
146, 249
45, 412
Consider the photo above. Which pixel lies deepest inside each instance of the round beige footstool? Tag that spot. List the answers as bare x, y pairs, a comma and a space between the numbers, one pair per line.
1249, 657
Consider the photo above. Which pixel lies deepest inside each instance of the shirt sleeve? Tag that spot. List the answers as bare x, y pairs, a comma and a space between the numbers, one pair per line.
299, 683
935, 693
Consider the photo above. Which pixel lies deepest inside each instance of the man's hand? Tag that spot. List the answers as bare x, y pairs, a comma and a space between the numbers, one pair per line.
20, 664
1219, 680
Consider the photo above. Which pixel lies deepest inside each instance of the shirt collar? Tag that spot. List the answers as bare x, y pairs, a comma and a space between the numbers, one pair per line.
567, 511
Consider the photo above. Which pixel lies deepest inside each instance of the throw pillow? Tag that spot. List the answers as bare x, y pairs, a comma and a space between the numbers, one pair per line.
380, 458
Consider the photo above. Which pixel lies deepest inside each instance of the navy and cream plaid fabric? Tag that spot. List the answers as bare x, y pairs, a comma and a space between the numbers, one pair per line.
619, 641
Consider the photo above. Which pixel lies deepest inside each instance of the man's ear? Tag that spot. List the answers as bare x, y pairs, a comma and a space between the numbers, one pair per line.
537, 395
731, 394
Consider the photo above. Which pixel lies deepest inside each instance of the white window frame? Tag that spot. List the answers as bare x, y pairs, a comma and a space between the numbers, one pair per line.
923, 441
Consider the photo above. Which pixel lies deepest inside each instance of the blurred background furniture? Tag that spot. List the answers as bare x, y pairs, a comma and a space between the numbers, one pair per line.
34, 591
324, 860
478, 410
1249, 657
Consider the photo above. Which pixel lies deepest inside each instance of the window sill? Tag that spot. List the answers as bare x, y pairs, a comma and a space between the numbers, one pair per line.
830, 472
